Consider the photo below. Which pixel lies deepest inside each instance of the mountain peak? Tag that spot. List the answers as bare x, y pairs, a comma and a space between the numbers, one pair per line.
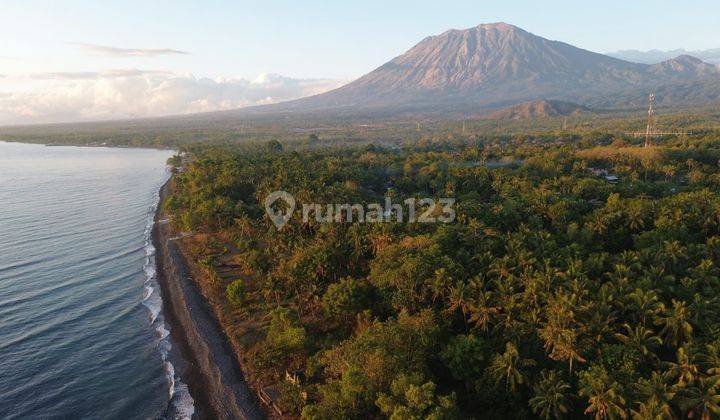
685, 66
500, 26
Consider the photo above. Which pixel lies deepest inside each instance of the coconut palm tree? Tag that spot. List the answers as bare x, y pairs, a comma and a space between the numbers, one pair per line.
684, 370
655, 395
482, 308
458, 299
675, 323
644, 304
640, 338
551, 396
702, 399
603, 394
508, 367
710, 359
651, 410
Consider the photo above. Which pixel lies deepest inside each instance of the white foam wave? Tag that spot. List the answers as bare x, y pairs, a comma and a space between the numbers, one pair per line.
162, 331
147, 291
181, 404
149, 272
170, 375
154, 304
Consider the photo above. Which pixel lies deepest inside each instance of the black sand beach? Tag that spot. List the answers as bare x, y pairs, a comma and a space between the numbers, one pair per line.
213, 376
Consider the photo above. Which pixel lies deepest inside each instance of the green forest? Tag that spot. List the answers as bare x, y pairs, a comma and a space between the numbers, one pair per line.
579, 279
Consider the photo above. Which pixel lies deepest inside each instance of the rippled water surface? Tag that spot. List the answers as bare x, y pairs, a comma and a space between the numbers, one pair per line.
81, 333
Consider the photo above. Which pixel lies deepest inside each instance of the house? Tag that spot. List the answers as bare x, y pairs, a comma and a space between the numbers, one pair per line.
295, 377
598, 171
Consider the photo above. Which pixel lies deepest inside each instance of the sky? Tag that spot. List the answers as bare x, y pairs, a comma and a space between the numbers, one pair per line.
88, 60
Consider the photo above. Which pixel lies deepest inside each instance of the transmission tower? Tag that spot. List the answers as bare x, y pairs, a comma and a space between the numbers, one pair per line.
651, 122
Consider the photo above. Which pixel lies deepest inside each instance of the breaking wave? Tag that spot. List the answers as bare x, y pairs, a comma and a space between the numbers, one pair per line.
181, 404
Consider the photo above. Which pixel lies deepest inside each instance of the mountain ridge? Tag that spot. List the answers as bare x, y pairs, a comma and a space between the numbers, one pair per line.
711, 56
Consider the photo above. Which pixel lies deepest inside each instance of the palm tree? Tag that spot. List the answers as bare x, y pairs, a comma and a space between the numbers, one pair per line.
706, 274
508, 303
636, 214
598, 224
482, 310
551, 396
619, 282
640, 338
644, 304
703, 305
656, 278
710, 359
561, 343
683, 370
458, 299
675, 322
669, 170
673, 252
702, 400
713, 247
651, 410
656, 395
560, 331
507, 367
604, 399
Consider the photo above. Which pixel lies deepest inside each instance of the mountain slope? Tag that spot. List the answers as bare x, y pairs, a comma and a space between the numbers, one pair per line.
683, 66
538, 109
494, 65
489, 64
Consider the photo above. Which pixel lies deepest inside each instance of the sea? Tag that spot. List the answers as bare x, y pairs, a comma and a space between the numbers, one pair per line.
82, 333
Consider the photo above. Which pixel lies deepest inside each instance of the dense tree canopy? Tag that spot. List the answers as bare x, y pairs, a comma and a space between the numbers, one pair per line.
555, 293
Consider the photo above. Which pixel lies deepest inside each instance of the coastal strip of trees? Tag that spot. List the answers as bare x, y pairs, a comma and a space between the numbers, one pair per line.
579, 279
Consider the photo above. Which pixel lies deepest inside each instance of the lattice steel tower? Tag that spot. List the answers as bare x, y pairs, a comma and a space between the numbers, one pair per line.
651, 122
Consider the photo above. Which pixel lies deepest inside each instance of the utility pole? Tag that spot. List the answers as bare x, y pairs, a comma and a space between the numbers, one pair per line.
463, 131
650, 124
564, 124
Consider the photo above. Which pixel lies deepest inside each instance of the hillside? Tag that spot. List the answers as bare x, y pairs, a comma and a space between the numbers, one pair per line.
538, 109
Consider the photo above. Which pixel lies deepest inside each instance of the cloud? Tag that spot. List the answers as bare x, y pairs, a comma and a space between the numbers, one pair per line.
95, 49
115, 95
86, 75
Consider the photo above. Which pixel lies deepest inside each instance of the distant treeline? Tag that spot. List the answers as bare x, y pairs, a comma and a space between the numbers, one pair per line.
176, 132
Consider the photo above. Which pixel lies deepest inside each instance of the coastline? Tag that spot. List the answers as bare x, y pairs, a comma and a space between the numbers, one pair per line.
212, 374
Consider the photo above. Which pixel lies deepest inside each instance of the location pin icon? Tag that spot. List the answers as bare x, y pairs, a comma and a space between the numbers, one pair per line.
278, 217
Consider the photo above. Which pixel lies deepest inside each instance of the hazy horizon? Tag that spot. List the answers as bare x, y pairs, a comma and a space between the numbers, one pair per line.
77, 62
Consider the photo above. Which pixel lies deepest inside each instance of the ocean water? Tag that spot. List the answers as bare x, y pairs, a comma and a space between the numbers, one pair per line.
82, 333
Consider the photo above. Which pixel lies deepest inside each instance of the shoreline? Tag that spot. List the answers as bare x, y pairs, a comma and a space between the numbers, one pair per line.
212, 374
91, 146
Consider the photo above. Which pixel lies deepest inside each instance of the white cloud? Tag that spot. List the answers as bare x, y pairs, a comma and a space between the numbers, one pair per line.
84, 75
86, 96
95, 49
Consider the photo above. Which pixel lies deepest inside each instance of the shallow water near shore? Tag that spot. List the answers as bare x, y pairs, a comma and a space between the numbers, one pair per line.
81, 327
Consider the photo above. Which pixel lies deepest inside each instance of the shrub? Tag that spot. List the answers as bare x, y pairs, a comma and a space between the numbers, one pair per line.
235, 292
